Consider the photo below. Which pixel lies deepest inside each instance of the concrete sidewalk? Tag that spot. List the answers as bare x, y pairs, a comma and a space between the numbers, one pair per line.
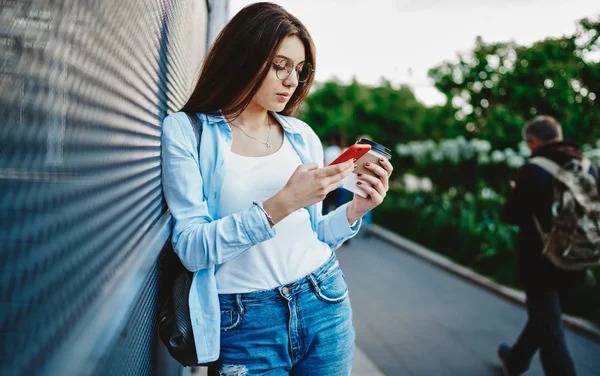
578, 324
414, 318
363, 365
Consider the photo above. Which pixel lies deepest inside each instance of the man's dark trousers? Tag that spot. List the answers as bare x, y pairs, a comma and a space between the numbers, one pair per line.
544, 331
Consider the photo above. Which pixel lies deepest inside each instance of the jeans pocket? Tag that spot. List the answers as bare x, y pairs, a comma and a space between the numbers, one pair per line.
230, 319
332, 289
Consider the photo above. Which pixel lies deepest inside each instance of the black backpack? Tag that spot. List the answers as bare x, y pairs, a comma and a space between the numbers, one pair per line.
174, 323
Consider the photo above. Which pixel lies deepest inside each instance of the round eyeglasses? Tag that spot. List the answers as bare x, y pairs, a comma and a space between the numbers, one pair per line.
284, 67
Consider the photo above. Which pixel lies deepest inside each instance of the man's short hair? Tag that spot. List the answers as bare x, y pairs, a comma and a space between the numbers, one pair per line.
544, 128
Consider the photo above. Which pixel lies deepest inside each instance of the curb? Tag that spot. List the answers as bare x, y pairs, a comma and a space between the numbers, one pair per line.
575, 323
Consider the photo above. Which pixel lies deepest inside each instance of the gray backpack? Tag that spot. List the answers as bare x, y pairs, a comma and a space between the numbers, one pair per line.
573, 242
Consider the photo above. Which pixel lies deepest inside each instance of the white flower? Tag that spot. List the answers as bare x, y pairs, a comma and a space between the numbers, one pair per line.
488, 193
481, 146
451, 151
524, 150
483, 159
402, 150
411, 183
594, 156
426, 185
429, 145
508, 152
514, 161
467, 151
437, 156
497, 156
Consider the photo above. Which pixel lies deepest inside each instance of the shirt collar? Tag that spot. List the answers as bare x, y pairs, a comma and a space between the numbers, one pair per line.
216, 118
285, 123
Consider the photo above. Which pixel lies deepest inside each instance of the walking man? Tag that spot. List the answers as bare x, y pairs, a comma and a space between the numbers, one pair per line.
531, 200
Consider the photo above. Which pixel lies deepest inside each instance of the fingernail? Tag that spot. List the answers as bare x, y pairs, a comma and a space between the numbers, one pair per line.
358, 183
355, 166
367, 164
380, 159
359, 174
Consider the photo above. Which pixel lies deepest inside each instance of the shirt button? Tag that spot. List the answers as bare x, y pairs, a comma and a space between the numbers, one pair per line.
285, 290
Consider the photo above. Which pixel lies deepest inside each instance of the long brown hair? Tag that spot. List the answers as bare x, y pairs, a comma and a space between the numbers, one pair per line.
239, 60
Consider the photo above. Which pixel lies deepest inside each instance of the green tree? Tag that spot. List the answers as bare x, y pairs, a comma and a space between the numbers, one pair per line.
499, 86
387, 114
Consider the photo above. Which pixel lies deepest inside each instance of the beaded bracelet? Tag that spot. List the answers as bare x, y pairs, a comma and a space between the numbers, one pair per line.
269, 219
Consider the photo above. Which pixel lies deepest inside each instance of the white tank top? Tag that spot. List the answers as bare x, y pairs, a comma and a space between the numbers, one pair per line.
294, 252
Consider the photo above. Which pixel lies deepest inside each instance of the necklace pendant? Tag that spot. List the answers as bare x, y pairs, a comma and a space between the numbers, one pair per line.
268, 145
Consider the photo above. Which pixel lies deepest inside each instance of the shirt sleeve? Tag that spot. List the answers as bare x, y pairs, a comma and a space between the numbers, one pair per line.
334, 228
199, 240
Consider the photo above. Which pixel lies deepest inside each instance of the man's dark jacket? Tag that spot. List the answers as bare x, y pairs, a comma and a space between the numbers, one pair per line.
533, 194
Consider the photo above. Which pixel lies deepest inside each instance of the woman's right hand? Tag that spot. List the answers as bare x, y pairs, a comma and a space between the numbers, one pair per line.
308, 185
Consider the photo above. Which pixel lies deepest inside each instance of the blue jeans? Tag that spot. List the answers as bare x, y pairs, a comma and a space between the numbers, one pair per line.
301, 328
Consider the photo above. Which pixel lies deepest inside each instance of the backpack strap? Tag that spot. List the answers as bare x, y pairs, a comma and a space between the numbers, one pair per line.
553, 168
547, 164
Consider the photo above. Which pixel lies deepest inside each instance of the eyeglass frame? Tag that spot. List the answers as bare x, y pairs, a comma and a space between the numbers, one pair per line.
275, 65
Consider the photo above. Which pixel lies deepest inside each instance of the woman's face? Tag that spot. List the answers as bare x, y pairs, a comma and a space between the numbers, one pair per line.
279, 85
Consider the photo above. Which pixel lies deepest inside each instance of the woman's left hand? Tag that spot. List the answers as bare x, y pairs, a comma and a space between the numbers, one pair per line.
375, 194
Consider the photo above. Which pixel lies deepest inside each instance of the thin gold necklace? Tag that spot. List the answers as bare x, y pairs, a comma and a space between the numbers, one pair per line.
256, 139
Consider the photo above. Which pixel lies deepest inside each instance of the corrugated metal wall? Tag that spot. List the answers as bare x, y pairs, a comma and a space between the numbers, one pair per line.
84, 85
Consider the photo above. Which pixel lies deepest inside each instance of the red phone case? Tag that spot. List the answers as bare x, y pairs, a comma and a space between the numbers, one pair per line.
353, 152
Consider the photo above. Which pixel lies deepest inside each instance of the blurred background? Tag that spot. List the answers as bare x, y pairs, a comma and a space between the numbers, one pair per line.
84, 86
448, 86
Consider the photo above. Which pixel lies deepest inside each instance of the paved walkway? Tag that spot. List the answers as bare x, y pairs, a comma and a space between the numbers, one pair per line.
415, 319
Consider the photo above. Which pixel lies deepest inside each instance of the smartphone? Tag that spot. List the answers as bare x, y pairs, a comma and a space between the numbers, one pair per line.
353, 152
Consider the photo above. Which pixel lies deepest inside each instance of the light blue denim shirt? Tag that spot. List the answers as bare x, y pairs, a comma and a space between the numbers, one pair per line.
201, 237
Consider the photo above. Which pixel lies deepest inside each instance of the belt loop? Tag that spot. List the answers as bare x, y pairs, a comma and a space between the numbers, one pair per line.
313, 281
238, 303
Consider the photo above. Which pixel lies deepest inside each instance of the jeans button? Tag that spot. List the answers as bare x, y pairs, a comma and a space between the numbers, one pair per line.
285, 291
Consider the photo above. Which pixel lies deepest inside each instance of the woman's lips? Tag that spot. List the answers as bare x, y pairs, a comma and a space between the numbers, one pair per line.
283, 97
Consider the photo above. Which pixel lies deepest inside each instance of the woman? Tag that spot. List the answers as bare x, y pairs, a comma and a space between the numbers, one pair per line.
267, 294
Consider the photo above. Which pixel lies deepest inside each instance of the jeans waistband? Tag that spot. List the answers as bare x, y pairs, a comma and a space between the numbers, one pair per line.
289, 289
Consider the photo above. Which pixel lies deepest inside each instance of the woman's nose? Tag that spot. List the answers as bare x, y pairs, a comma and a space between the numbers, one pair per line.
291, 80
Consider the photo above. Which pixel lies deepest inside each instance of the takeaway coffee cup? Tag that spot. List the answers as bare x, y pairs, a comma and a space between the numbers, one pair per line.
377, 151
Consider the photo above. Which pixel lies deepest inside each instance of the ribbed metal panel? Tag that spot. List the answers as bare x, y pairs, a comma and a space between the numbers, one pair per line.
135, 351
84, 86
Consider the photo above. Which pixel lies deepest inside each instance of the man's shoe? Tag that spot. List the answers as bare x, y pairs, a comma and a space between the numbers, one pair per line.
503, 351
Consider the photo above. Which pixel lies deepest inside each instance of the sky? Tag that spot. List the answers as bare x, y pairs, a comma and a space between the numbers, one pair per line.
400, 40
